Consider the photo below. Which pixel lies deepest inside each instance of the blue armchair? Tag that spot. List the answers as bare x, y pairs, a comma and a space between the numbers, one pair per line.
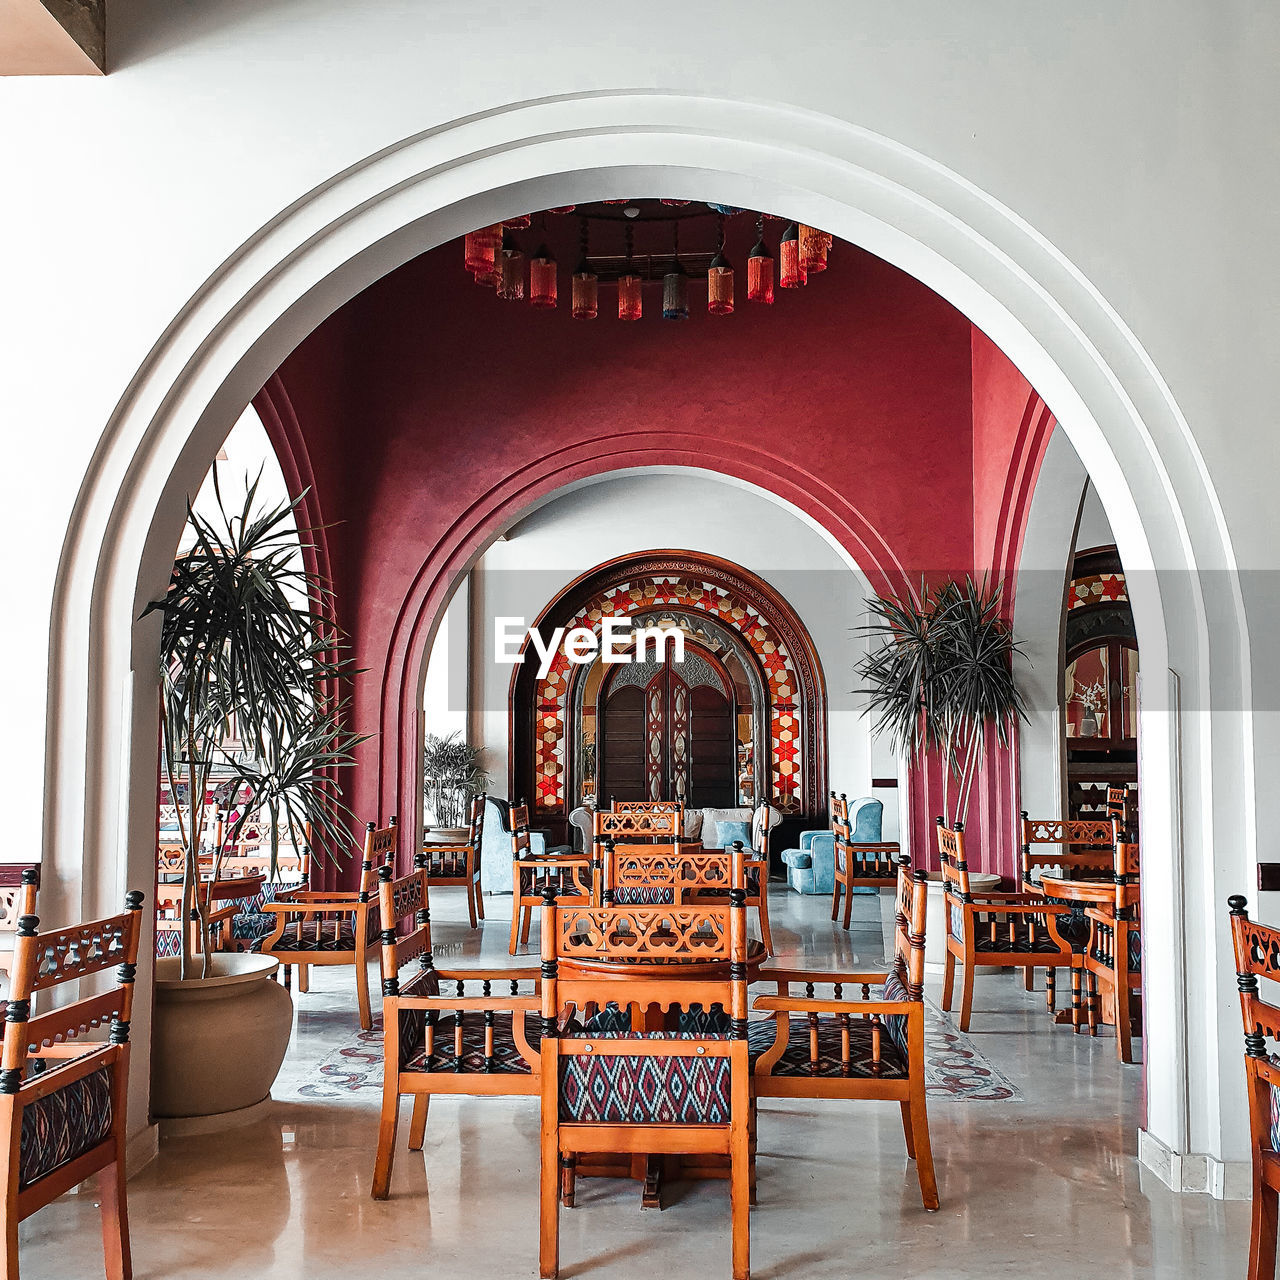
812, 867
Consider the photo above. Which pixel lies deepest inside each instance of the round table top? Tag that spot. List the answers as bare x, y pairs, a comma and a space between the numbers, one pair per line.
679, 968
1092, 890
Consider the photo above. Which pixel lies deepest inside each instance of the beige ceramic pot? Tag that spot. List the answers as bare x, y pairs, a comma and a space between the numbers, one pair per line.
218, 1042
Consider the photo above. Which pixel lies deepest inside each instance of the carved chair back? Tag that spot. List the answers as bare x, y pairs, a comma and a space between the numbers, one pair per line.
1257, 952
662, 874
1077, 847
65, 1093
18, 889
840, 816
666, 825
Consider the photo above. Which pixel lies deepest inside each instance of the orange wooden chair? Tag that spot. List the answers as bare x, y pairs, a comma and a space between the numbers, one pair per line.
458, 865
650, 1091
843, 1046
860, 864
1257, 948
438, 1041
573, 875
1078, 847
62, 1099
18, 891
1011, 930
332, 927
1112, 957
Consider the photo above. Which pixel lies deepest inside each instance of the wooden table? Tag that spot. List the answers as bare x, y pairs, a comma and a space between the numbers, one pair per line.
654, 1170
1090, 892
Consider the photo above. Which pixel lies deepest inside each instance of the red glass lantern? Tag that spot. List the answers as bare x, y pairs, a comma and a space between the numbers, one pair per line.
519, 223
720, 286
511, 285
630, 303
675, 204
542, 279
480, 250
760, 275
791, 273
813, 249
563, 208
585, 293
627, 201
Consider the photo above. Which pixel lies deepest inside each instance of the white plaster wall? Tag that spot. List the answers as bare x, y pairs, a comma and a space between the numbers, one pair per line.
1037, 624
1133, 147
1095, 528
635, 512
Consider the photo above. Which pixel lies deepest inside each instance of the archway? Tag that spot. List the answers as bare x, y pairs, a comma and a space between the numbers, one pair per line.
1098, 381
732, 599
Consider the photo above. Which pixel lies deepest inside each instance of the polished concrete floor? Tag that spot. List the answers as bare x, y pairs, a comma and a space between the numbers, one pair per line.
1045, 1186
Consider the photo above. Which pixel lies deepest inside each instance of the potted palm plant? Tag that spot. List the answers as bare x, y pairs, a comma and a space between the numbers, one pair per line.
942, 680
451, 778
250, 668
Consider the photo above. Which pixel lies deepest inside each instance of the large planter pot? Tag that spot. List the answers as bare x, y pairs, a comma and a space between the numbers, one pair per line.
218, 1042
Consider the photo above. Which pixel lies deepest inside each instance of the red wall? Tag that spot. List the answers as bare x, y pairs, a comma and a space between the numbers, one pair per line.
427, 391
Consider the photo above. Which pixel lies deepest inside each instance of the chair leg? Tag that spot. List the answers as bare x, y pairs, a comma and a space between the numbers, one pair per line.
848, 904
1051, 988
924, 1151
1092, 1000
388, 1122
418, 1125
835, 900
740, 1202
527, 914
966, 992
568, 1181
765, 936
478, 891
471, 902
515, 919
115, 1220
549, 1213
304, 979
362, 991
10, 1269
1029, 979
907, 1132
948, 978
1075, 999
1262, 1231
1124, 1027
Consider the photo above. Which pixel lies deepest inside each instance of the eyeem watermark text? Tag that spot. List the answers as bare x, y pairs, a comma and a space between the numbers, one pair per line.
617, 644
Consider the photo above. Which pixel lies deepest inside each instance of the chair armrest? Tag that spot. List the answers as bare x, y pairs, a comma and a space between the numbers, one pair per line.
1017, 908
820, 976
350, 898
447, 1004
489, 975
789, 1004
429, 846
874, 846
320, 906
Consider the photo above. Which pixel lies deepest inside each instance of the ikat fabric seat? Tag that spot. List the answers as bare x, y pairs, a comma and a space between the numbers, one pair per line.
643, 896
506, 1057
1014, 937
795, 1058
63, 1125
310, 936
629, 1088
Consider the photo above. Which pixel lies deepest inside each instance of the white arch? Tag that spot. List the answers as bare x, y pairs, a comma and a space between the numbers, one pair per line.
1028, 298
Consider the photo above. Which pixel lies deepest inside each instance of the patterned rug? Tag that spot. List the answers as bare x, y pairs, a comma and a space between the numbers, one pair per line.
956, 1071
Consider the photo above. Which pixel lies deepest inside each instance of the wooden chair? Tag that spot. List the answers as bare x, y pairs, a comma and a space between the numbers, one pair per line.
1257, 948
848, 1047
458, 865
863, 865
19, 884
652, 1091
635, 875
648, 806
1004, 929
62, 1098
572, 875
330, 927
662, 825
1072, 849
458, 1042
1112, 958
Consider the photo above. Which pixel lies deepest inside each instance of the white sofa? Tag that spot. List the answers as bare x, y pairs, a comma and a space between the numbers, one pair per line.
699, 824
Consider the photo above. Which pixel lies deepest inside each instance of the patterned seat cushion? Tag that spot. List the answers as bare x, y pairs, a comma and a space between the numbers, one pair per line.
506, 1057
640, 1088
310, 935
1135, 951
830, 1064
63, 1125
447, 864
534, 880
1020, 940
643, 896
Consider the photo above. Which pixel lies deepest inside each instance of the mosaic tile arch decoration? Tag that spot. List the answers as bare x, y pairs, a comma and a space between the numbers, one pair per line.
796, 694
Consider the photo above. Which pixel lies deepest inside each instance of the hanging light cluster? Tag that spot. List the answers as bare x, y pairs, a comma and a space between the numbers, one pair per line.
494, 257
